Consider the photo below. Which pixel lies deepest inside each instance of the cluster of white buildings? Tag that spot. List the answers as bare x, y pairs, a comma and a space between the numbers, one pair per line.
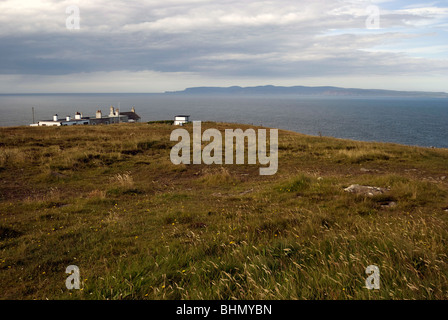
115, 116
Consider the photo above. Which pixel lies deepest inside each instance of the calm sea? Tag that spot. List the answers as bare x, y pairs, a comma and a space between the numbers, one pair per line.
422, 122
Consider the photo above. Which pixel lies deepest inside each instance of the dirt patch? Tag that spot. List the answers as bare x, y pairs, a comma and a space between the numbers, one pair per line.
7, 233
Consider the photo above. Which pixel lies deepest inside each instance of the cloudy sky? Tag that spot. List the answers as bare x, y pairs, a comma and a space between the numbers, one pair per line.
163, 45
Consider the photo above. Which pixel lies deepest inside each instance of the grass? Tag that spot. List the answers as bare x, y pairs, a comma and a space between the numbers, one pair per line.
108, 199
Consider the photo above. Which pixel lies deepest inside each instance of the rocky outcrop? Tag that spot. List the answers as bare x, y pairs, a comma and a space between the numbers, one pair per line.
365, 190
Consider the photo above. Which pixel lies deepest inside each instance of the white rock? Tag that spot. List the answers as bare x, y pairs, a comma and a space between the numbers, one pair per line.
365, 190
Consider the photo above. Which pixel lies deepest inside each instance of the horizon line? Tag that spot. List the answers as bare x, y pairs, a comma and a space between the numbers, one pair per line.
224, 87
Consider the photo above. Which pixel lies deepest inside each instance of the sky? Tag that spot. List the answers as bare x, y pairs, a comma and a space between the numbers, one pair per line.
167, 45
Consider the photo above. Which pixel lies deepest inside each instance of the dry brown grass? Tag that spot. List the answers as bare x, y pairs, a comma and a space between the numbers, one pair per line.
108, 199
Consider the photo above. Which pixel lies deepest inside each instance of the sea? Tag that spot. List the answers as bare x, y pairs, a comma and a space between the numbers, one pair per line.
409, 121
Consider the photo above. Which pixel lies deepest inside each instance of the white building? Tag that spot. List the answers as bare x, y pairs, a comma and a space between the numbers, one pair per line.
180, 120
115, 116
67, 121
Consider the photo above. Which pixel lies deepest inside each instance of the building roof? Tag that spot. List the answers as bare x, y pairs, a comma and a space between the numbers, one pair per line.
183, 116
65, 120
131, 115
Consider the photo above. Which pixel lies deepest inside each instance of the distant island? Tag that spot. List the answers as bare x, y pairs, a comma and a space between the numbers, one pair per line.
307, 91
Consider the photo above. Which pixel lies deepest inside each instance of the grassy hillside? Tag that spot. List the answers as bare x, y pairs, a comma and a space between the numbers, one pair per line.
108, 199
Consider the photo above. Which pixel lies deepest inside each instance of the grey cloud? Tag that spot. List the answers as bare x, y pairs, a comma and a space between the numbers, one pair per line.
253, 38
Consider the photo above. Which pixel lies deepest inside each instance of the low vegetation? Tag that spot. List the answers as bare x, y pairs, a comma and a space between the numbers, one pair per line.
108, 200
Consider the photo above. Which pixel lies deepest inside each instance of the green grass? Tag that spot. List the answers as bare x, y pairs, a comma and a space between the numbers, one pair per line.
108, 199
